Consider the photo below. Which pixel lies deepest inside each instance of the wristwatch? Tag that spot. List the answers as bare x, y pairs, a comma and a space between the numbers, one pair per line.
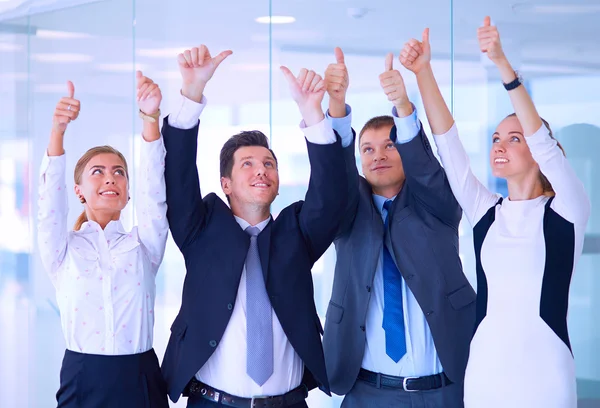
515, 83
150, 118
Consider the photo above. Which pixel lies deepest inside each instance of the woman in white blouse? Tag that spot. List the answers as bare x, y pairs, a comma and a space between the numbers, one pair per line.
104, 275
526, 245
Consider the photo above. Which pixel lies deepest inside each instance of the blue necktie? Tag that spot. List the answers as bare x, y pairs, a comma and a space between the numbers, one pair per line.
393, 316
259, 317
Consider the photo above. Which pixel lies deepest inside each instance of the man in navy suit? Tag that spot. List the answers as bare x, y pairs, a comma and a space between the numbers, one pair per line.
248, 334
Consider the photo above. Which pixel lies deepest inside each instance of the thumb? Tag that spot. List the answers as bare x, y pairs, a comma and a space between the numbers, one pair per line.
71, 89
288, 74
426, 36
339, 55
487, 21
221, 57
389, 62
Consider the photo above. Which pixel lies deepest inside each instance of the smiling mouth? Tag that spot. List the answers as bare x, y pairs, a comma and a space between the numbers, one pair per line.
500, 160
261, 185
109, 194
379, 168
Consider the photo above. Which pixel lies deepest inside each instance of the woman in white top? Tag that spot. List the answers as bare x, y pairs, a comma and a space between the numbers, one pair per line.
526, 245
104, 275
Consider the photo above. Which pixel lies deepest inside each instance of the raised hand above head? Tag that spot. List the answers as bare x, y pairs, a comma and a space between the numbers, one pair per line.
416, 54
392, 83
149, 95
66, 110
197, 67
489, 41
336, 83
307, 90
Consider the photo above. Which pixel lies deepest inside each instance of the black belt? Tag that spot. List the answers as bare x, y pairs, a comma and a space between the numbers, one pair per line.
430, 382
198, 389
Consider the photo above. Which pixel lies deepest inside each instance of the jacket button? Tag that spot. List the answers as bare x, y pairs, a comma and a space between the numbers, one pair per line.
362, 328
429, 313
230, 307
212, 343
368, 288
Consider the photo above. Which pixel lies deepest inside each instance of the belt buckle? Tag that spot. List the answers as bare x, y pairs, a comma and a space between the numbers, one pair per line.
257, 398
405, 381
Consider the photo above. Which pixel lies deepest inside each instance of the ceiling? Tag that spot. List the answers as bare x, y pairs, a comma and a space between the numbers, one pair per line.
107, 36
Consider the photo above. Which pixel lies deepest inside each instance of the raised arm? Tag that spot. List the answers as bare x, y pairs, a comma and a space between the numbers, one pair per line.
571, 200
471, 194
52, 199
424, 174
150, 199
322, 210
337, 81
186, 210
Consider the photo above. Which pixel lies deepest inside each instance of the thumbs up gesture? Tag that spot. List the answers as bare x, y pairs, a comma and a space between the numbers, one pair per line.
416, 54
307, 89
336, 78
66, 110
393, 85
197, 66
489, 41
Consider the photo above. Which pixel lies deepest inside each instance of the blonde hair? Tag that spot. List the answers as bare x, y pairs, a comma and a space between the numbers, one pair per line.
546, 185
80, 167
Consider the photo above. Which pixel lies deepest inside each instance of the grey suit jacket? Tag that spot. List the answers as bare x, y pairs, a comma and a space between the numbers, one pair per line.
424, 237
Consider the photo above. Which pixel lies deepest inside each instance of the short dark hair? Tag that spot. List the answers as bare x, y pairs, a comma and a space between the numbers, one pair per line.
376, 123
242, 139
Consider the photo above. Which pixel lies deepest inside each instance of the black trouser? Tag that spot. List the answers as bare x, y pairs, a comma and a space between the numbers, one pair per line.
98, 381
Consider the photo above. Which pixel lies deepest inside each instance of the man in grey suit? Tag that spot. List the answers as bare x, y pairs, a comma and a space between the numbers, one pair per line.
402, 312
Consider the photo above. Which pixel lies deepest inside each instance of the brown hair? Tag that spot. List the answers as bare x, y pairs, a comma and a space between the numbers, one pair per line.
80, 167
546, 186
376, 123
242, 139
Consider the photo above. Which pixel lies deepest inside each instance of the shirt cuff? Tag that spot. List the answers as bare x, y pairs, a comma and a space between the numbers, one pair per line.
343, 126
53, 164
154, 150
186, 117
407, 128
321, 133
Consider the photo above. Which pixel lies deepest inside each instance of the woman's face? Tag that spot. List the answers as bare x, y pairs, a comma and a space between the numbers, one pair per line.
510, 156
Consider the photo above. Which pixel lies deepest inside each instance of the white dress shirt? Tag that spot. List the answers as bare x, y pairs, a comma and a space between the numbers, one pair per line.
105, 279
225, 370
421, 357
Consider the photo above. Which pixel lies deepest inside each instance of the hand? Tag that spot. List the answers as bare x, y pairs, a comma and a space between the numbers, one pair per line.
66, 111
393, 85
148, 94
336, 78
197, 67
307, 91
489, 41
416, 54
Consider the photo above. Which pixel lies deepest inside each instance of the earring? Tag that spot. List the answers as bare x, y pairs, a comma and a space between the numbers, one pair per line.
81, 199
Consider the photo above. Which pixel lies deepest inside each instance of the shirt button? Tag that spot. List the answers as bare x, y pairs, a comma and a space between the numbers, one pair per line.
230, 307
212, 343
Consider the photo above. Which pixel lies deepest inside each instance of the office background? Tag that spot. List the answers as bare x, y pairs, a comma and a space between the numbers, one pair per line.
99, 44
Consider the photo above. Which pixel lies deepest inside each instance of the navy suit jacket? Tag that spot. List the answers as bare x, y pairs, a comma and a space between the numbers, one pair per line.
215, 247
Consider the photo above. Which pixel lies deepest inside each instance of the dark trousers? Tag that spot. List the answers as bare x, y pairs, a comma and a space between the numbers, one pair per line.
364, 395
201, 403
97, 381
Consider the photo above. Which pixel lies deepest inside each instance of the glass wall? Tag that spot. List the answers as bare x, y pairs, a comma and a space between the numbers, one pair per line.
99, 44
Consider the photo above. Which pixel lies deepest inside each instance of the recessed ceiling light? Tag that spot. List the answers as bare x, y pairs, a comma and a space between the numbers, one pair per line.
556, 8
60, 35
61, 57
275, 19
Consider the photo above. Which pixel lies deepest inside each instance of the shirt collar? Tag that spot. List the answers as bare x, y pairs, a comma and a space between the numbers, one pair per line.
380, 200
245, 224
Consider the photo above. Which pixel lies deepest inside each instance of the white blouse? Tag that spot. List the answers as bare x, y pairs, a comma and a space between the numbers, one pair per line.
105, 279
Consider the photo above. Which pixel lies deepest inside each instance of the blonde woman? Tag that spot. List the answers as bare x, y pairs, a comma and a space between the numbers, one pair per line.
104, 275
